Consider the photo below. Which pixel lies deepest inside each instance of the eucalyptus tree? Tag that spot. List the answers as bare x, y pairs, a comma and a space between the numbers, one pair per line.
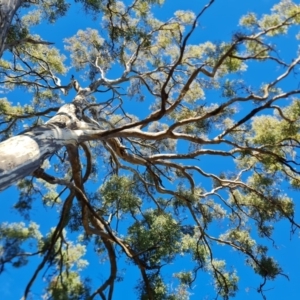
132, 164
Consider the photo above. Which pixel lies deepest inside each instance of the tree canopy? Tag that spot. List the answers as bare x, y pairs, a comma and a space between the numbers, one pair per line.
147, 146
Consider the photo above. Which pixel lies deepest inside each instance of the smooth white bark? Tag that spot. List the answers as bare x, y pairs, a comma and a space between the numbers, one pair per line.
23, 154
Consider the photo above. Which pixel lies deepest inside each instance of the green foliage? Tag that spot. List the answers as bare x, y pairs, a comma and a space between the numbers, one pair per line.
68, 286
93, 5
86, 47
14, 237
66, 257
53, 9
118, 194
16, 33
249, 20
266, 267
157, 236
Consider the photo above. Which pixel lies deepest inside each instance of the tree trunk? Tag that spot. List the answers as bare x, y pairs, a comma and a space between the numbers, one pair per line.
22, 154
8, 9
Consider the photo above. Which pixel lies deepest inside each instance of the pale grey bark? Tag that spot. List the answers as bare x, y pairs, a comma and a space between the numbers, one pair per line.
23, 154
8, 9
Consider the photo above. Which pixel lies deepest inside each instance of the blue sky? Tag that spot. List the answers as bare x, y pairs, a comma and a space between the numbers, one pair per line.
219, 22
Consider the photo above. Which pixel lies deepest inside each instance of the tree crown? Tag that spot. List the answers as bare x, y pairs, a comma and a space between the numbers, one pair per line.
165, 147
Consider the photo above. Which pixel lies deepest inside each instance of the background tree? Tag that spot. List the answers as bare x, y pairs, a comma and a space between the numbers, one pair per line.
152, 165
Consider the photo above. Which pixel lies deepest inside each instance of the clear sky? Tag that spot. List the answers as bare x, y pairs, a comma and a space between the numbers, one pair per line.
219, 23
